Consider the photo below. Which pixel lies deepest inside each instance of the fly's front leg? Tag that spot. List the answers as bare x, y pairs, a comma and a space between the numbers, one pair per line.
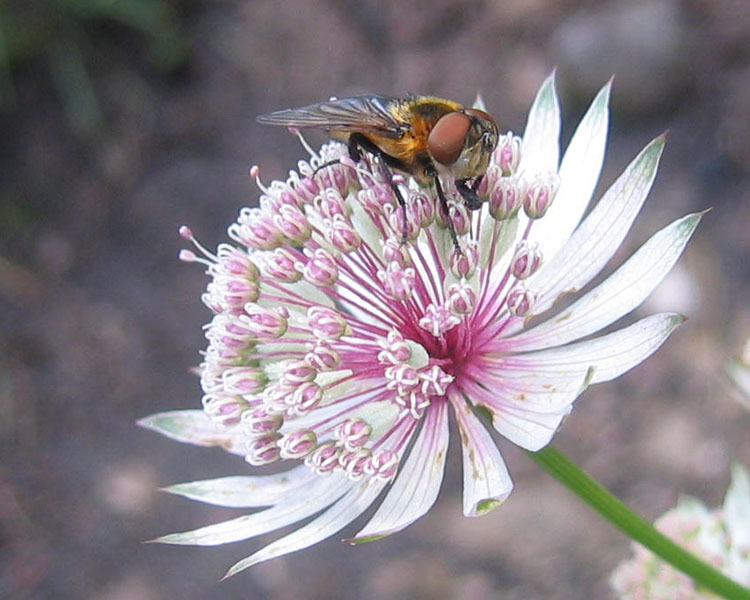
431, 172
357, 143
330, 163
468, 192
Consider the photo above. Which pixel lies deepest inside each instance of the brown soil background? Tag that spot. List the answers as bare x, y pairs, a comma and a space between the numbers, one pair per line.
99, 322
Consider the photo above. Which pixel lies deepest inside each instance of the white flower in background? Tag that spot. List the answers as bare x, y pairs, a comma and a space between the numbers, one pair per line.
738, 370
720, 537
336, 345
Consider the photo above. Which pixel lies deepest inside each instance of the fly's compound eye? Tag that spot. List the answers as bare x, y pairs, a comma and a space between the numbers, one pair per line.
448, 137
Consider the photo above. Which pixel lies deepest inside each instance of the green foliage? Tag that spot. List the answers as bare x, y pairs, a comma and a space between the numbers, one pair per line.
62, 32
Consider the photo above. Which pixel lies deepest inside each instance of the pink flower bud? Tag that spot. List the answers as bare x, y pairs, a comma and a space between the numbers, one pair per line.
244, 380
280, 265
342, 235
383, 465
298, 444
395, 349
353, 433
277, 397
526, 260
434, 381
540, 194
322, 358
370, 201
330, 203
308, 188
396, 215
264, 323
321, 269
424, 207
438, 320
355, 462
464, 264
324, 459
461, 220
508, 153
296, 372
263, 450
395, 251
413, 404
305, 188
401, 378
224, 409
506, 198
257, 421
461, 298
255, 229
305, 398
520, 301
398, 282
293, 224
326, 323
234, 261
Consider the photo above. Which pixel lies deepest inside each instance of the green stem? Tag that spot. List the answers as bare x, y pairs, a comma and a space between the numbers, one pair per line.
595, 495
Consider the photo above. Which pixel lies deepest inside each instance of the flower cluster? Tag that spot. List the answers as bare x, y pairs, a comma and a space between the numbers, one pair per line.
337, 343
720, 537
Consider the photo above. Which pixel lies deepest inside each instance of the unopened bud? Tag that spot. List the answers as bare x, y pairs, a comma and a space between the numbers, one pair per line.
540, 194
526, 260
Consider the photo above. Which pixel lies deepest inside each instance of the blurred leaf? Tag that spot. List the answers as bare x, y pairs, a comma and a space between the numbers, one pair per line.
55, 30
74, 85
7, 93
154, 18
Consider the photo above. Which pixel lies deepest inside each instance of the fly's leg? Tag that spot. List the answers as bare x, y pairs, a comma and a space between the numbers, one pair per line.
357, 143
430, 172
330, 163
468, 192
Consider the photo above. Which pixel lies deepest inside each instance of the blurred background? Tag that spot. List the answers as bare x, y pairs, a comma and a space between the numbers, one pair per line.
122, 120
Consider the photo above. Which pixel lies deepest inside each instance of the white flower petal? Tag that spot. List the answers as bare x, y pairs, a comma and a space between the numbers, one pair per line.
246, 492
417, 485
620, 293
332, 520
507, 234
579, 172
541, 146
193, 427
609, 355
487, 483
737, 507
739, 373
319, 494
523, 407
529, 429
594, 243
530, 388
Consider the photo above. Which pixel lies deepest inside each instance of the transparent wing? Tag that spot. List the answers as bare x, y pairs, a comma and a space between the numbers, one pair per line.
359, 113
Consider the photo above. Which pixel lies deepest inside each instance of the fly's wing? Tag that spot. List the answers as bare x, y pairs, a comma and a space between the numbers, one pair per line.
351, 115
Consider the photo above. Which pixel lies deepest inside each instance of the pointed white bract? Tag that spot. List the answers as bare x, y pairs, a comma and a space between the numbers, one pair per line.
338, 348
720, 537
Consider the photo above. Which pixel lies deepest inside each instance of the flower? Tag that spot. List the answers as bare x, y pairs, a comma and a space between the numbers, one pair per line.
335, 342
720, 537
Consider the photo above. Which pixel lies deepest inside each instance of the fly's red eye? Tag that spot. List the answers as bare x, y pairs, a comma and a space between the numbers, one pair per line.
448, 137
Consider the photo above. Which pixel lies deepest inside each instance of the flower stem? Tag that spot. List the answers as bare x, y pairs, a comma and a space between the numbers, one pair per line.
600, 499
